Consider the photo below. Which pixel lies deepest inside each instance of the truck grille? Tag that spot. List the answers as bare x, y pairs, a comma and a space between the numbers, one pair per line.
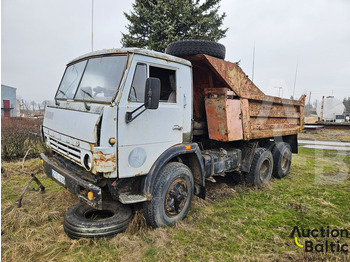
66, 150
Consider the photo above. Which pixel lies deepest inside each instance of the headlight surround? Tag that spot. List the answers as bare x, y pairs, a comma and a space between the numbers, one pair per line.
87, 162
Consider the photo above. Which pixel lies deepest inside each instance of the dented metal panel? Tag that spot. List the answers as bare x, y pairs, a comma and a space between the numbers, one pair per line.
223, 115
104, 159
75, 124
261, 116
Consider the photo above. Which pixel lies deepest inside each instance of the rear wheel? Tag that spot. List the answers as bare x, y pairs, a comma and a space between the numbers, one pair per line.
261, 168
282, 159
172, 195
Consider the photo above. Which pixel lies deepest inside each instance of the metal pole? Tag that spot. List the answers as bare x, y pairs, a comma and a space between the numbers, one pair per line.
279, 90
92, 25
322, 109
253, 62
295, 79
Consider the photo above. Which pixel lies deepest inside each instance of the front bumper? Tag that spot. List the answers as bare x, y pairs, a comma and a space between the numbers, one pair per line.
73, 183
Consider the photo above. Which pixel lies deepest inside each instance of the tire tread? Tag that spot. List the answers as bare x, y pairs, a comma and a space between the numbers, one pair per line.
194, 47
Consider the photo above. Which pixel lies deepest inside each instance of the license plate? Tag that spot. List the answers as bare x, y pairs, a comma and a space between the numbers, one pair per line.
58, 177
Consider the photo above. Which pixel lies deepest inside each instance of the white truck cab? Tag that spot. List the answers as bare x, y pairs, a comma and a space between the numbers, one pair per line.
100, 122
88, 122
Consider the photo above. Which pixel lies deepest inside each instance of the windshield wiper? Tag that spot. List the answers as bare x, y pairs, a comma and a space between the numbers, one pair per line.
62, 92
86, 92
87, 107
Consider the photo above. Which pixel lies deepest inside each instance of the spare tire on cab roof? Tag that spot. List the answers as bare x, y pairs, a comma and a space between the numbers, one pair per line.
195, 47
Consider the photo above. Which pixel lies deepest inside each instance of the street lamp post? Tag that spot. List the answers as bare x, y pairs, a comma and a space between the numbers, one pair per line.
279, 90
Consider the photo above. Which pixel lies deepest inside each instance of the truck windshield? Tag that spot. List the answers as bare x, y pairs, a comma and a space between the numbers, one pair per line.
95, 79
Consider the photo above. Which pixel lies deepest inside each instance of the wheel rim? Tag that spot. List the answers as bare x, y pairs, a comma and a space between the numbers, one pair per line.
285, 161
264, 170
176, 197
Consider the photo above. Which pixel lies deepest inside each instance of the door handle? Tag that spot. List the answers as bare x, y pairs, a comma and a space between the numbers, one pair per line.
177, 127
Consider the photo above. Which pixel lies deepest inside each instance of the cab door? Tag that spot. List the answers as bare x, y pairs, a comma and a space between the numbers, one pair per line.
143, 140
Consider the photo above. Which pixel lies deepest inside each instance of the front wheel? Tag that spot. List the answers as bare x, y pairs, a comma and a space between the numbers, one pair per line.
172, 195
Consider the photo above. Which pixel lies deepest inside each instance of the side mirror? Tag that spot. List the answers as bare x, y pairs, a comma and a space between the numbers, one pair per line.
152, 93
152, 96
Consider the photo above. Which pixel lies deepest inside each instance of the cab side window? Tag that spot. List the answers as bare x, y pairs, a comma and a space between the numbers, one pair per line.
137, 91
167, 83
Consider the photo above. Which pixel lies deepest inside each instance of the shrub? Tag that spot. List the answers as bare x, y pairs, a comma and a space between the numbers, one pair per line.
18, 135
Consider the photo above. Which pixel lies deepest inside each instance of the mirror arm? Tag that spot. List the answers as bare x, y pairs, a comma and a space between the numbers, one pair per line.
129, 117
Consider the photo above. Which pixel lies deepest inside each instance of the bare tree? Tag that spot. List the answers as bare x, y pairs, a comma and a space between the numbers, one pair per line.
26, 104
33, 103
45, 103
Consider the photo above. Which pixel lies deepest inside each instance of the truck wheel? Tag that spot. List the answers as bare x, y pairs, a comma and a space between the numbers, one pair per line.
195, 47
172, 195
282, 159
261, 168
83, 221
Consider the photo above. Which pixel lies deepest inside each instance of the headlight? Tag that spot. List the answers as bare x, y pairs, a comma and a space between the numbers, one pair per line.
87, 162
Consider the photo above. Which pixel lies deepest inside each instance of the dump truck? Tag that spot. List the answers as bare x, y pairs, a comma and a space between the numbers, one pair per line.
132, 125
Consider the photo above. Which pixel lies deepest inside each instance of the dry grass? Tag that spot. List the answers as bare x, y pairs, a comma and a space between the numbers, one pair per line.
326, 134
235, 223
311, 119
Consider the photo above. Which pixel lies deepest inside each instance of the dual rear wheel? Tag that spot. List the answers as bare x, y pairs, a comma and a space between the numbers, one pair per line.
266, 163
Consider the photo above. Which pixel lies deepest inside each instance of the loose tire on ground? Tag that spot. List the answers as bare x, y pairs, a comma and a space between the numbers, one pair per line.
172, 195
83, 221
282, 159
261, 168
194, 47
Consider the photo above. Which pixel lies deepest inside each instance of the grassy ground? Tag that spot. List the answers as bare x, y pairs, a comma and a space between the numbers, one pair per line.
235, 223
326, 134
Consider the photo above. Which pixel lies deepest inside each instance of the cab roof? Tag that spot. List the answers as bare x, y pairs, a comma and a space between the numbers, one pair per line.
133, 50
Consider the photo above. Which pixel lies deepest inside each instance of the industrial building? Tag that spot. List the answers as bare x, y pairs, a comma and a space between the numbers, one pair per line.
8, 101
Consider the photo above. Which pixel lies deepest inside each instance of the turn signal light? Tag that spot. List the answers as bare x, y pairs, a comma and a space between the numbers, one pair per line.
91, 195
42, 161
112, 141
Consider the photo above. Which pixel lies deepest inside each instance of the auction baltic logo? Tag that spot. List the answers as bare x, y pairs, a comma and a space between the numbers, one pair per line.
324, 239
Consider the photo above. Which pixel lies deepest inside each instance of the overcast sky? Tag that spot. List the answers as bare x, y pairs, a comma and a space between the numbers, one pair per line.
39, 37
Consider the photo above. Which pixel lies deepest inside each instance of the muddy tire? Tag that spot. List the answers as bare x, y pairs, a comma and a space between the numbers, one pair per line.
194, 47
83, 221
282, 159
261, 168
172, 195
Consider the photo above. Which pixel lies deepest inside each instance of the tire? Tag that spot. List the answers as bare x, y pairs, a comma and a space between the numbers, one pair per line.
261, 169
83, 221
282, 159
194, 47
172, 195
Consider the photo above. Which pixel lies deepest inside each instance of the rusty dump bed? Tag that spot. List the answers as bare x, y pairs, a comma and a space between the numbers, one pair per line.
233, 108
